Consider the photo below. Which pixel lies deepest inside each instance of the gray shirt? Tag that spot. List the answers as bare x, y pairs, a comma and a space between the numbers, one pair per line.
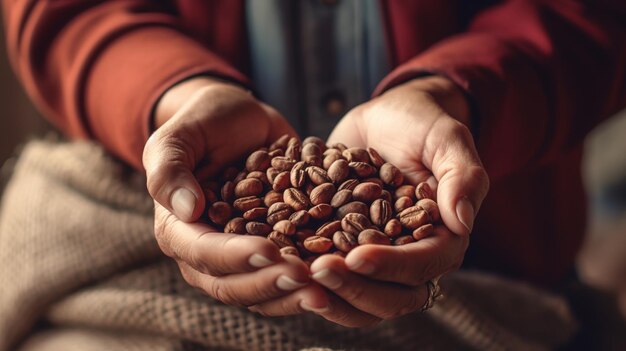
313, 60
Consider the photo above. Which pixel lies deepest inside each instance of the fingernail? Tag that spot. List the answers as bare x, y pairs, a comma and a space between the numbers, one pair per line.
361, 266
183, 202
328, 278
286, 283
307, 307
465, 213
259, 261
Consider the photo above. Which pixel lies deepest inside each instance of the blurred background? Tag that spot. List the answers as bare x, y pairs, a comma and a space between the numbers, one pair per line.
604, 172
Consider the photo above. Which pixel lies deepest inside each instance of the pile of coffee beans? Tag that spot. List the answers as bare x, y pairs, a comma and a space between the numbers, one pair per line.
310, 199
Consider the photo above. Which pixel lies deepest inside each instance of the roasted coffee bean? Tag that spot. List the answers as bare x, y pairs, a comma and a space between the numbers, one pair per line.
281, 143
258, 228
228, 191
328, 160
403, 240
328, 229
247, 203
422, 232
321, 211
375, 158
339, 146
281, 182
277, 152
298, 174
289, 250
344, 241
349, 184
362, 169
220, 212
393, 228
424, 191
296, 199
366, 192
380, 212
312, 160
281, 240
300, 218
311, 149
317, 175
354, 223
374, 180
356, 154
373, 236
271, 174
262, 176
256, 214
402, 203
318, 244
248, 187
294, 149
341, 198
272, 197
338, 171
431, 208
352, 207
413, 217
283, 163
315, 140
285, 227
405, 190
278, 212
236, 225
332, 151
258, 161
391, 175
240, 176
322, 194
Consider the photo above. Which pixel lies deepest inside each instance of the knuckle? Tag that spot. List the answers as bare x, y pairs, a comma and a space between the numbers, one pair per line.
222, 293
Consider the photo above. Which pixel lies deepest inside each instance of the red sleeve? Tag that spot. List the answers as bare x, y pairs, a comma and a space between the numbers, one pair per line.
96, 68
540, 75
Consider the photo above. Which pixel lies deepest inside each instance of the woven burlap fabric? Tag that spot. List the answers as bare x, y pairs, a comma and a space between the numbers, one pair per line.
80, 270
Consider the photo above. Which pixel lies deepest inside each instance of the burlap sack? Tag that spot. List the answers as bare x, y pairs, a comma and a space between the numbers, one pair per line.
80, 270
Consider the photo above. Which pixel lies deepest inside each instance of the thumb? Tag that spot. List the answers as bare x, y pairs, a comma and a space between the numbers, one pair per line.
169, 160
463, 182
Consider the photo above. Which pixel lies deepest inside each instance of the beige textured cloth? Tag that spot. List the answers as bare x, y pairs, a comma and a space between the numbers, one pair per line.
80, 270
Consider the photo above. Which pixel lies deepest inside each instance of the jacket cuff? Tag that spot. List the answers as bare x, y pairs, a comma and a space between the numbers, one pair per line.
130, 75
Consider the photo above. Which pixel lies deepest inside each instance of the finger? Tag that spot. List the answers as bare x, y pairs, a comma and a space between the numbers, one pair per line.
208, 251
411, 264
463, 182
347, 131
169, 159
247, 289
309, 298
380, 299
278, 125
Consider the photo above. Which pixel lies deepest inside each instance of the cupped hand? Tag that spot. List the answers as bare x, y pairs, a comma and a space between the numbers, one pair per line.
203, 125
419, 127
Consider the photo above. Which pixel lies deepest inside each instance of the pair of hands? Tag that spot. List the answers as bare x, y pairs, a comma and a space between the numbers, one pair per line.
203, 124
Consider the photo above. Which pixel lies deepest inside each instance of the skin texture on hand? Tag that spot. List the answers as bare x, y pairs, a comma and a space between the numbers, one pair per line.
419, 127
203, 125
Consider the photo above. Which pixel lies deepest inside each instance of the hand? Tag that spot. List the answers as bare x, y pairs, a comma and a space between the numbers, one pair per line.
412, 126
204, 125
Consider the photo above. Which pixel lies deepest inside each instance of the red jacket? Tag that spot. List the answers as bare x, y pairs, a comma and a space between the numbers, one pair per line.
540, 75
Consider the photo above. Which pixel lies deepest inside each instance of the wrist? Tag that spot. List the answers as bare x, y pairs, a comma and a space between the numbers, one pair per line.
177, 95
447, 94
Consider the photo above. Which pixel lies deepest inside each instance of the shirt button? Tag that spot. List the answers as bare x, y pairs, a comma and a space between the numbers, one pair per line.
334, 104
